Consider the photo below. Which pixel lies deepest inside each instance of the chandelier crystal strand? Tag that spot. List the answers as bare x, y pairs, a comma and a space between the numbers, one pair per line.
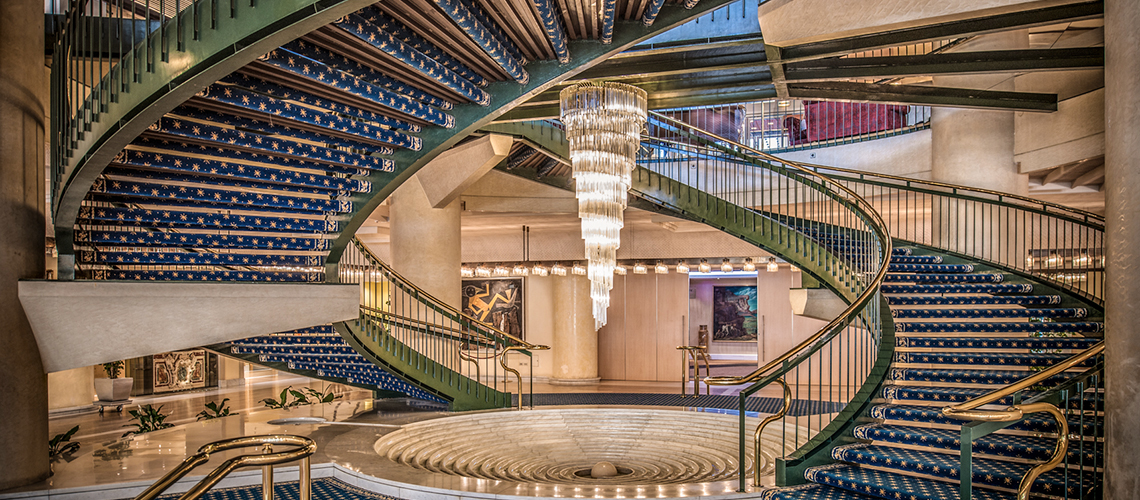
603, 124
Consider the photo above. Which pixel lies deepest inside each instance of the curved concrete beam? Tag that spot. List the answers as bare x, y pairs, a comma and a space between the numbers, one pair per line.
504, 96
82, 323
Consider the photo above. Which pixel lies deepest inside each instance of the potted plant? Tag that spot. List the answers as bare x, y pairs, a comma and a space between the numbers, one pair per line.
114, 388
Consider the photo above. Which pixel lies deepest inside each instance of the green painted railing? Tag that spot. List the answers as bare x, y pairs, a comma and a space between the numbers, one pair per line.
429, 342
823, 228
1061, 245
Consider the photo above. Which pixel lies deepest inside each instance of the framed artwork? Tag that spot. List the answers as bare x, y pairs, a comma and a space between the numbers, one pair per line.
176, 371
497, 302
734, 313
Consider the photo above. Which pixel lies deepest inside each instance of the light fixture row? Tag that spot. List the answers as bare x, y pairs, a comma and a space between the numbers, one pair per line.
659, 267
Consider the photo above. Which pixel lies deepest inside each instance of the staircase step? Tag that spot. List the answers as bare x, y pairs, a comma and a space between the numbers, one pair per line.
936, 395
1009, 327
953, 395
1056, 312
916, 259
997, 342
900, 251
998, 444
1034, 422
296, 349
882, 484
987, 377
988, 472
896, 267
810, 491
944, 278
959, 288
984, 358
1023, 300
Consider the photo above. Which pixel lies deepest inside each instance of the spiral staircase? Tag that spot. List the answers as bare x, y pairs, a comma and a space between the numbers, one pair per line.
969, 327
248, 141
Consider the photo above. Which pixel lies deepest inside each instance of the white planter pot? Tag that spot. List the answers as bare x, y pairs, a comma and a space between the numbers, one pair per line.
114, 389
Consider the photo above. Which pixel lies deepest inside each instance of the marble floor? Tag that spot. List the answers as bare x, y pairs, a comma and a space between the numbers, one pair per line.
352, 425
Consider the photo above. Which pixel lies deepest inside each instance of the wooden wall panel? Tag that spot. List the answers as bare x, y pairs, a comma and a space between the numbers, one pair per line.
672, 310
641, 327
612, 337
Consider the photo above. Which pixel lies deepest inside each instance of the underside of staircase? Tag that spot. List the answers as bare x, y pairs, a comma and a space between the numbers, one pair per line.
237, 143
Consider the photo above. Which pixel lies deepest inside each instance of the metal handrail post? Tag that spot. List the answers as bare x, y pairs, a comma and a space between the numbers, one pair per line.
267, 476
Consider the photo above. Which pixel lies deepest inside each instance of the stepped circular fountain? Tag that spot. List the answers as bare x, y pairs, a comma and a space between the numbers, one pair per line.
563, 446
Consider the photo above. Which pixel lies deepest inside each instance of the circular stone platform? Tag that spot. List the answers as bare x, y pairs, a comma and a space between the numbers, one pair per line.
657, 447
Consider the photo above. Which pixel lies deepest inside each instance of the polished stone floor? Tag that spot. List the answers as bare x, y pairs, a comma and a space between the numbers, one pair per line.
352, 427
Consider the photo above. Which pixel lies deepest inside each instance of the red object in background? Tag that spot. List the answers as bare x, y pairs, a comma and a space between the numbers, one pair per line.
832, 120
796, 133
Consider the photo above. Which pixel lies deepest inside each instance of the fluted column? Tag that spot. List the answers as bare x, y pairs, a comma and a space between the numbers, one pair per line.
575, 340
23, 383
1122, 234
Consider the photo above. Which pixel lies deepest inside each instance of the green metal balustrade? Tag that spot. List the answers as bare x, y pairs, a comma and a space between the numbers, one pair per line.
425, 340
689, 172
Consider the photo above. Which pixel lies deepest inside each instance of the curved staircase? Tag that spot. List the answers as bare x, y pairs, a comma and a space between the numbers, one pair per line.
963, 330
246, 141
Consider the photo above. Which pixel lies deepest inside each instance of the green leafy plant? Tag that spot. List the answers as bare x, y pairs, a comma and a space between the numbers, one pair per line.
320, 397
214, 410
149, 419
61, 444
113, 368
283, 402
299, 398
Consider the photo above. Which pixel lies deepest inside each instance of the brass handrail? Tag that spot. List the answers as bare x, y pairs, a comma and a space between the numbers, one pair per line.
764, 423
305, 448
1025, 383
503, 363
438, 303
876, 224
690, 353
968, 411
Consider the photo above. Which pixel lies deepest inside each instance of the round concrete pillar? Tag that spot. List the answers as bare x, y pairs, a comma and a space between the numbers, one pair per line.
975, 147
425, 242
1122, 234
23, 97
575, 340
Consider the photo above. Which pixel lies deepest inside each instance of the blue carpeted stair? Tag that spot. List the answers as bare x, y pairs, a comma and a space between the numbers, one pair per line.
320, 352
963, 330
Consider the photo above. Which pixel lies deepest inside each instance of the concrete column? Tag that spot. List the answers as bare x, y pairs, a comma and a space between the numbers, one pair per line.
71, 388
1122, 206
231, 372
975, 147
23, 97
425, 242
575, 348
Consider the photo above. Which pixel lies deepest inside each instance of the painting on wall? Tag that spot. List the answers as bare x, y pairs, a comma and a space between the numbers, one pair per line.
177, 371
496, 302
734, 313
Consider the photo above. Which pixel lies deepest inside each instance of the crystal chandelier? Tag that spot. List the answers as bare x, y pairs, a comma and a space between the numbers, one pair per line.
603, 123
